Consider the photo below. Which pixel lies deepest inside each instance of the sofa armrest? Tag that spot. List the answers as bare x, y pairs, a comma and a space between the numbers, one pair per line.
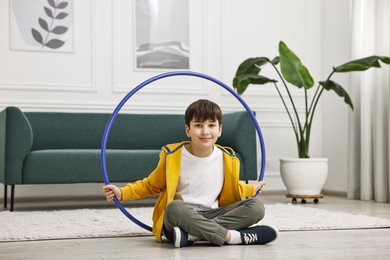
15, 143
239, 133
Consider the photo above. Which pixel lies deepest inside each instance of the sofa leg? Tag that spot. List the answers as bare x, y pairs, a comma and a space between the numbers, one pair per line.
5, 195
12, 197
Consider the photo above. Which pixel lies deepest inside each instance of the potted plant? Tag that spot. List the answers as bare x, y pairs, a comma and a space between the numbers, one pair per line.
292, 71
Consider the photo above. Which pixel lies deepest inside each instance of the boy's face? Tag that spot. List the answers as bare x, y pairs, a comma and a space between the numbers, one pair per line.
203, 134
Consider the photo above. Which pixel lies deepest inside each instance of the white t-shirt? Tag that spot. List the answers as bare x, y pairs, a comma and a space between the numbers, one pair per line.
201, 179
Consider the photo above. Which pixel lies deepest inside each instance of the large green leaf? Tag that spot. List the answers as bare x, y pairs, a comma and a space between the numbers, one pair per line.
251, 65
275, 61
242, 82
331, 85
248, 73
292, 68
362, 64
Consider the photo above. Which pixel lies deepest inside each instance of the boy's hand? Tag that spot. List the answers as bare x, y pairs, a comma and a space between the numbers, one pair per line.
111, 191
258, 187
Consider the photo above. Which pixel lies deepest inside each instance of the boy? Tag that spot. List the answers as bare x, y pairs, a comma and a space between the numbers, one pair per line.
201, 197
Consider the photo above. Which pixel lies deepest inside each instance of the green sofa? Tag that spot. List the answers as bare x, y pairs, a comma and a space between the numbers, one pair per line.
59, 148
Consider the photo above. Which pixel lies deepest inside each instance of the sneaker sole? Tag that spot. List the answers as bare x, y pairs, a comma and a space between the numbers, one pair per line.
176, 237
276, 231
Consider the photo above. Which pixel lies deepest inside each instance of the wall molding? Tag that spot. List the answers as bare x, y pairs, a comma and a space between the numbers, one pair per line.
159, 88
163, 89
61, 87
47, 87
96, 106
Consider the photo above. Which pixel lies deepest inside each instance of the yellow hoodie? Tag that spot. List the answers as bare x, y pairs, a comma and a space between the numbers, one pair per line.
165, 178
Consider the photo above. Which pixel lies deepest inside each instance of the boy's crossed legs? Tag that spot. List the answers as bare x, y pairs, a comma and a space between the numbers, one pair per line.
182, 223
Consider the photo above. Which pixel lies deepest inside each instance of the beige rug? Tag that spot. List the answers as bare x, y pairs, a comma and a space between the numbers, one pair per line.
90, 223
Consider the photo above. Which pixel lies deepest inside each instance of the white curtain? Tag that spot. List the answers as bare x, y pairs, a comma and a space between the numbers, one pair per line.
369, 124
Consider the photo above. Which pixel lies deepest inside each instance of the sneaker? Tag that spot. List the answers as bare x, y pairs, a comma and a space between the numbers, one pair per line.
259, 235
181, 238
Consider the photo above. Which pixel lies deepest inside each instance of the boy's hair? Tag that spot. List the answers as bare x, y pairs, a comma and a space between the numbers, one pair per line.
202, 110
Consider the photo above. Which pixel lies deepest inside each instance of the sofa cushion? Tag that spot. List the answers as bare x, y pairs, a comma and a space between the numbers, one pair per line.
83, 166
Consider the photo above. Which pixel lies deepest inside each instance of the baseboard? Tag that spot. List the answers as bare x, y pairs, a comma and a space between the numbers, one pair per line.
93, 199
341, 194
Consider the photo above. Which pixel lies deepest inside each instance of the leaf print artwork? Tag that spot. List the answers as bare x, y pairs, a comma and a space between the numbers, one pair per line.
42, 25
55, 12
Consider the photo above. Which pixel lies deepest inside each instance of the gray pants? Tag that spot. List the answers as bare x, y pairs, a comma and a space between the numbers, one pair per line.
212, 225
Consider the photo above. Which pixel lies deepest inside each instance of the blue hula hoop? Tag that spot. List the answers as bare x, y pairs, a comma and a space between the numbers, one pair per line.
140, 86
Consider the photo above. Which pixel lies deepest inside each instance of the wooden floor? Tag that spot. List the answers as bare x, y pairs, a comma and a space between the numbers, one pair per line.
346, 244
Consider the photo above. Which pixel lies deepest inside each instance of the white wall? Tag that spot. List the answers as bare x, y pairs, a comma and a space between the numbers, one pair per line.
335, 51
100, 71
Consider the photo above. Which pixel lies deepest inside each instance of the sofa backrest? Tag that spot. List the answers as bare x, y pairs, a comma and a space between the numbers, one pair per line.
85, 130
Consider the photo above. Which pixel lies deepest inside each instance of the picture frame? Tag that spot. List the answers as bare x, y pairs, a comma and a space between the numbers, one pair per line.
161, 35
41, 25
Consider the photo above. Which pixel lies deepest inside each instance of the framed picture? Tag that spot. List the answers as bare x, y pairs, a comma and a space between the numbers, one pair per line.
41, 25
161, 34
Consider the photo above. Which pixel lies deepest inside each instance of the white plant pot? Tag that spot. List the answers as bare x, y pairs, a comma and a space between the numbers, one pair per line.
303, 176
